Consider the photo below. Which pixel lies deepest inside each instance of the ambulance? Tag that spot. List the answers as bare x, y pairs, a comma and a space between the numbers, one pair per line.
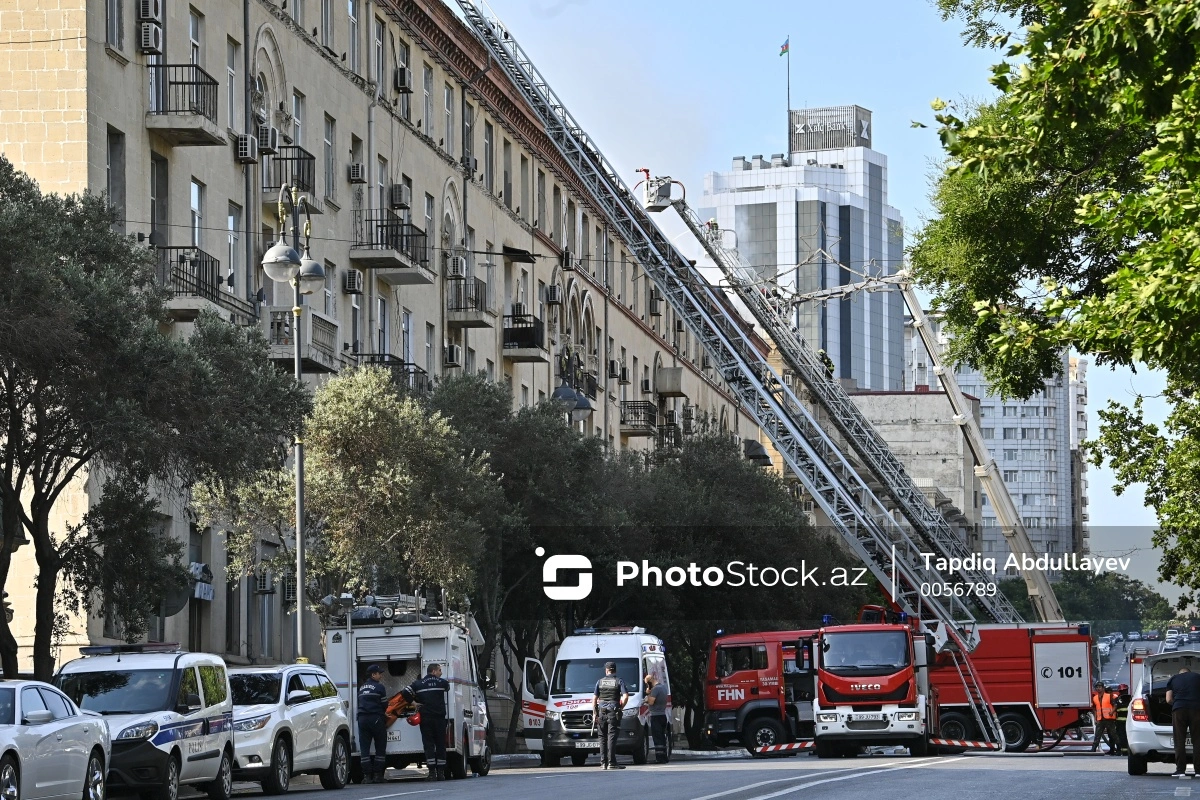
404, 636
556, 707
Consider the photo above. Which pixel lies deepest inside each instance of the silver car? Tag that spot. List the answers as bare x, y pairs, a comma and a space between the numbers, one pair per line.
48, 747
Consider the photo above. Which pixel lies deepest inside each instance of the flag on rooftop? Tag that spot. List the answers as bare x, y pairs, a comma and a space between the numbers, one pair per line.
784, 49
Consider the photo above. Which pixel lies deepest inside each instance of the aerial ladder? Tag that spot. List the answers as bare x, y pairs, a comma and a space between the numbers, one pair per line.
892, 548
849, 421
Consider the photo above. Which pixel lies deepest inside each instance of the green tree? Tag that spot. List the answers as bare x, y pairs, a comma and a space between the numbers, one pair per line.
95, 385
1111, 601
1066, 217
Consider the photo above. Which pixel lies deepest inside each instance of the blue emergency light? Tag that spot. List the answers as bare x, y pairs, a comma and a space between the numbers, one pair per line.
827, 619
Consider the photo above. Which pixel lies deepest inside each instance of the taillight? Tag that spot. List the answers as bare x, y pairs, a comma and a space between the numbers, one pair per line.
1137, 709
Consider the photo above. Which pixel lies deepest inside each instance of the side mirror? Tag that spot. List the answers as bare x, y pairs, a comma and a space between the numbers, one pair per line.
190, 704
298, 696
489, 678
39, 717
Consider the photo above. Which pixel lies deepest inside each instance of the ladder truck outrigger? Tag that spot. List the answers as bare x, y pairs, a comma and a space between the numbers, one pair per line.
841, 468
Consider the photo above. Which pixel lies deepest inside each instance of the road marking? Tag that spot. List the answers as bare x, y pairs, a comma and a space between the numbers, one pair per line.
792, 789
765, 783
398, 794
1183, 791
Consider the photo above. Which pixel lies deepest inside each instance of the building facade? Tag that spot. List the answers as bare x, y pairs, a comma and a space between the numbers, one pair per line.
453, 235
817, 218
1035, 445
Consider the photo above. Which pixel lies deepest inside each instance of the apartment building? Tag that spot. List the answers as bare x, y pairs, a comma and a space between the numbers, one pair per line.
453, 235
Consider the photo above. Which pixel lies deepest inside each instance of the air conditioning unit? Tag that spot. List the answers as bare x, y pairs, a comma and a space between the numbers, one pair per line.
400, 196
671, 417
268, 139
247, 149
655, 306
679, 326
624, 377
358, 172
456, 267
150, 11
402, 80
705, 363
471, 164
554, 296
150, 38
568, 264
352, 281
518, 309
614, 368
453, 355
646, 388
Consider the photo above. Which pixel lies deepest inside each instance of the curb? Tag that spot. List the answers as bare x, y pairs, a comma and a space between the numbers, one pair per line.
522, 760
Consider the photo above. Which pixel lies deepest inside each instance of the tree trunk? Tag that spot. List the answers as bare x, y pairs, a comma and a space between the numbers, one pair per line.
47, 582
10, 530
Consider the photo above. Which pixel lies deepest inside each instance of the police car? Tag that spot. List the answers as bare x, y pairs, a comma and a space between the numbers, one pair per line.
170, 714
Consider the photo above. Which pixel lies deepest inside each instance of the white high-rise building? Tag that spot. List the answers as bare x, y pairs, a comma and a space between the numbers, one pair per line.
818, 218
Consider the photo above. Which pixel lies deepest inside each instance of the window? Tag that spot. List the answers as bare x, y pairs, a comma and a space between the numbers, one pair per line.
449, 93
1010, 433
524, 396
1051, 500
1052, 475
355, 323
330, 158
115, 176
1010, 455
989, 433
296, 9
1049, 433
1010, 411
401, 49
197, 197
114, 13
426, 124
469, 363
195, 41
330, 307
489, 157
382, 181
1031, 433
491, 370
56, 704
233, 224
352, 34
1010, 475
429, 216
327, 23
539, 219
468, 146
381, 334
189, 687
556, 213
1029, 500
297, 118
231, 81
381, 75
31, 700
430, 338
740, 658
212, 680
507, 178
406, 334
525, 202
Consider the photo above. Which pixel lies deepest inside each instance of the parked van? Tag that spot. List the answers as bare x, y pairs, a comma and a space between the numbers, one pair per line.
556, 707
170, 714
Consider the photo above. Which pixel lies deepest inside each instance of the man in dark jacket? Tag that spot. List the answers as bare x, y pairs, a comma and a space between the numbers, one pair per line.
1183, 693
430, 692
372, 725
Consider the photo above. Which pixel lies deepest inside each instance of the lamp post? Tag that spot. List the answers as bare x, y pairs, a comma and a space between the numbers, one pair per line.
569, 392
283, 264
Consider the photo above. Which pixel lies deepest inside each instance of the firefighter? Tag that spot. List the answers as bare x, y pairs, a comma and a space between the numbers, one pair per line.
372, 725
1104, 714
826, 362
608, 701
430, 693
1123, 699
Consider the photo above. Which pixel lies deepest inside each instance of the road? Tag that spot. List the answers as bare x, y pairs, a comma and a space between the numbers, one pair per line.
1116, 669
978, 777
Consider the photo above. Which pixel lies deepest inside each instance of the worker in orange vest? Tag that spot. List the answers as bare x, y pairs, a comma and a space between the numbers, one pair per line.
1104, 713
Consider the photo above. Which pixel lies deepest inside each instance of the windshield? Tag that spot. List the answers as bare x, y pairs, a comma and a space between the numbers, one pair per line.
579, 675
136, 691
260, 687
8, 706
865, 652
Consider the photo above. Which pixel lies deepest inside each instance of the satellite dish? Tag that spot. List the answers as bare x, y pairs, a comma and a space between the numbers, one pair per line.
176, 599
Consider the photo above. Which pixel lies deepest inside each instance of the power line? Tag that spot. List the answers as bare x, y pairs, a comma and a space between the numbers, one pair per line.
45, 41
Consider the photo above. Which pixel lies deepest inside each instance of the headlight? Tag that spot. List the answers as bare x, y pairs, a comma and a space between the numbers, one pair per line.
552, 716
252, 723
630, 712
143, 730
906, 716
826, 717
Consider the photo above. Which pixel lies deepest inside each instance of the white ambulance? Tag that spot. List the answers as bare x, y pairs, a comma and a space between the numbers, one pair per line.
404, 637
556, 708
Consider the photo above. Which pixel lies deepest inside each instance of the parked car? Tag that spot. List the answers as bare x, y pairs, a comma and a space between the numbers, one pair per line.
1170, 646
1148, 727
1150, 636
289, 720
1135, 636
1117, 636
1103, 649
49, 748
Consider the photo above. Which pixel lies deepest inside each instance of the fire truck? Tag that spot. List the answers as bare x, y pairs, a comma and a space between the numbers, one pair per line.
404, 636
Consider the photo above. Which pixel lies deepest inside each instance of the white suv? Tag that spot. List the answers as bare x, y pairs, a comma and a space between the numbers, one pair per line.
288, 720
1148, 726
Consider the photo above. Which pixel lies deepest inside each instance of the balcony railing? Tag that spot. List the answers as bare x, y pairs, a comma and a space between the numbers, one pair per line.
524, 331
322, 338
405, 374
191, 272
292, 165
640, 415
182, 89
383, 230
468, 295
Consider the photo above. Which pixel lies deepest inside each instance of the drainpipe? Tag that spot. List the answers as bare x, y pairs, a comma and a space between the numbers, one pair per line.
248, 169
603, 368
367, 334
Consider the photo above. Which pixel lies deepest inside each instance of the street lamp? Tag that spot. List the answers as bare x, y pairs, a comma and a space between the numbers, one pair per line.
570, 392
283, 263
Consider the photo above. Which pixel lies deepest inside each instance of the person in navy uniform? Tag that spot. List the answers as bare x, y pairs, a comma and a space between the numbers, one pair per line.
372, 725
430, 693
608, 701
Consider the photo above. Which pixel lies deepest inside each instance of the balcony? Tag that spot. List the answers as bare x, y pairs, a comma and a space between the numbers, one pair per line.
467, 304
291, 166
397, 252
318, 338
195, 282
670, 437
409, 377
525, 339
669, 382
183, 106
639, 418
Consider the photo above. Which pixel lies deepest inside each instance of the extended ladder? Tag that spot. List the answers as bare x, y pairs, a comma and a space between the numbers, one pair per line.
888, 548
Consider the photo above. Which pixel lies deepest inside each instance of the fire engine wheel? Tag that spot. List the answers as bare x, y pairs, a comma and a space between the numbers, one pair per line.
1016, 732
919, 747
763, 732
955, 726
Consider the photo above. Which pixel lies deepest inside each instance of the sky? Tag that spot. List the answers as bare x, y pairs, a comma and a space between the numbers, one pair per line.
682, 86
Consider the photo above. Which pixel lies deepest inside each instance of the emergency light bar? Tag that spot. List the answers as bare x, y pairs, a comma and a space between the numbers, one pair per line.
123, 649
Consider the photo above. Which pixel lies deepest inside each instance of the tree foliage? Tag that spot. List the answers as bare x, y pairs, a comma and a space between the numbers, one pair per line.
1110, 601
94, 384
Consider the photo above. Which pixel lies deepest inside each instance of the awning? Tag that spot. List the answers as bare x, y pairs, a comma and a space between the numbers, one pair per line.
518, 255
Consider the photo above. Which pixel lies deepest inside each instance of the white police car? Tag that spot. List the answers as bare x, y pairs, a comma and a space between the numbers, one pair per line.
170, 714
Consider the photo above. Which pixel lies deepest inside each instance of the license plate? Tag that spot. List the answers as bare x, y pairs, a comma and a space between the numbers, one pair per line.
393, 736
866, 717
587, 745
1187, 743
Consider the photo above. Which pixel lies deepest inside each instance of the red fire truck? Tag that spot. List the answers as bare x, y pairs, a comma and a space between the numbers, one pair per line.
759, 694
